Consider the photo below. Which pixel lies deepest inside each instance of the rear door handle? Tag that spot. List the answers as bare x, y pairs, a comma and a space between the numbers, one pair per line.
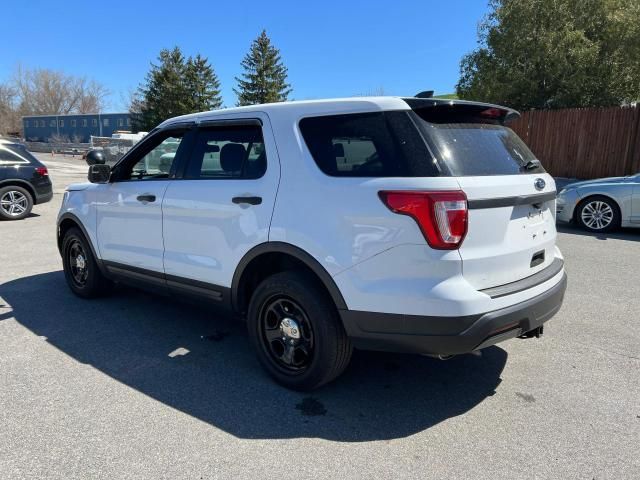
146, 198
249, 200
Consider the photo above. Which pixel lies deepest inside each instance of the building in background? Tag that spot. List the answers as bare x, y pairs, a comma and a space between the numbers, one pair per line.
74, 128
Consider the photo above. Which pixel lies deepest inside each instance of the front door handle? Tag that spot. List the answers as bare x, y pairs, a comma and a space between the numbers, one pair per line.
249, 200
146, 198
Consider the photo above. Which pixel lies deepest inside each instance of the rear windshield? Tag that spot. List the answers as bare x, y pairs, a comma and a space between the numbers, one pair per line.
419, 143
381, 144
470, 146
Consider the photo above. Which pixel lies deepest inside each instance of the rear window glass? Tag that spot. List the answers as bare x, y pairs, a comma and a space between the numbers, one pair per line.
382, 144
12, 154
467, 147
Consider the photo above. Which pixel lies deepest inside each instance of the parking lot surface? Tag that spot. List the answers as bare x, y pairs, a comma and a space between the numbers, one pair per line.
137, 386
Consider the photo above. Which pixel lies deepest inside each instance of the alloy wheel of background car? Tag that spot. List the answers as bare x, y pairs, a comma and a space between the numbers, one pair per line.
287, 333
15, 203
598, 214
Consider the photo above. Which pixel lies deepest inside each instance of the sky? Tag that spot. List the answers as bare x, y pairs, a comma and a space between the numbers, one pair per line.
331, 48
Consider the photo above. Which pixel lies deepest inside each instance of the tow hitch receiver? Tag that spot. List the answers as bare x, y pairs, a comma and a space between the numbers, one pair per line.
536, 332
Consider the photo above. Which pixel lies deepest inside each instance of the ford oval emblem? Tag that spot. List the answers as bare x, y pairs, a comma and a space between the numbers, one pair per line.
540, 184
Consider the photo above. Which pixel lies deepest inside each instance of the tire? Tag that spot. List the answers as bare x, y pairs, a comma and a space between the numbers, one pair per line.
296, 331
598, 214
15, 203
81, 268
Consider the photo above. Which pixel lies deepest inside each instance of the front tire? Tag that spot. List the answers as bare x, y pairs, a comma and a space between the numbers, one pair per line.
296, 331
80, 266
15, 203
598, 214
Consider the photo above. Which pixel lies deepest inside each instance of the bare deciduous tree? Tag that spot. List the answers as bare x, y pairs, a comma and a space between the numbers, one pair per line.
9, 120
41, 91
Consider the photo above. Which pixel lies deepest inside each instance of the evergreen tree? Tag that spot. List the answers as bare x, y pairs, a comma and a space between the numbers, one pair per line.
203, 85
176, 86
265, 77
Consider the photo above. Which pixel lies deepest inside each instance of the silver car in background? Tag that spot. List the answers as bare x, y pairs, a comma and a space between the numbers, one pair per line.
601, 205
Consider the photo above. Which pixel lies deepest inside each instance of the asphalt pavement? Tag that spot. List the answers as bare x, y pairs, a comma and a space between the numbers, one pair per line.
142, 387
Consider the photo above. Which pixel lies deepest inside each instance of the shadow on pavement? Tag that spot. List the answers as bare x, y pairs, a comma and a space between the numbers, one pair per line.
630, 234
184, 357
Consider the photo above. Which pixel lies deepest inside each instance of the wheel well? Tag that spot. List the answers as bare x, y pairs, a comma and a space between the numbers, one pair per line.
25, 185
63, 228
576, 211
265, 265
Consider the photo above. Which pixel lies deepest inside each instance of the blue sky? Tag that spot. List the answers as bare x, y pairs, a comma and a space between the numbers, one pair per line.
332, 48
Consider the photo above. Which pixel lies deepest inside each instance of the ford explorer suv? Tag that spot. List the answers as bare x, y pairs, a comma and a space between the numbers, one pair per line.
396, 224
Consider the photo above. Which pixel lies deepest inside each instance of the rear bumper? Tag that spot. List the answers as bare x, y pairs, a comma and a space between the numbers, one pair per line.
450, 335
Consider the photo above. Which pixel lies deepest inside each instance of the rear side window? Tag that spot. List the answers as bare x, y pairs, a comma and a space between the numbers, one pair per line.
467, 145
11, 155
381, 144
228, 152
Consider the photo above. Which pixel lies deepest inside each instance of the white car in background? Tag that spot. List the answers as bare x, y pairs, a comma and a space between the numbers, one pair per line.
601, 205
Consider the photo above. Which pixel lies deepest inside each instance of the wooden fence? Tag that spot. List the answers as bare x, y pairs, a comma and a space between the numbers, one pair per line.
583, 142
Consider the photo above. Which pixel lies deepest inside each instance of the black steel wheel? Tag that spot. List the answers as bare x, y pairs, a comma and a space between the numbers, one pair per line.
296, 331
80, 266
78, 263
287, 334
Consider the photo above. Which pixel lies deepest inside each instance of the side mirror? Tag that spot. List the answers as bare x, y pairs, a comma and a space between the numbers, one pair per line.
99, 173
95, 157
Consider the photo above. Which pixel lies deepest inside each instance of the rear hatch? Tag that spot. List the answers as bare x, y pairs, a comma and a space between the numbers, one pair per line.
511, 199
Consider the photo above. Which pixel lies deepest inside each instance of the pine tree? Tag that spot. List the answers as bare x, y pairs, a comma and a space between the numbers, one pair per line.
176, 86
265, 77
203, 85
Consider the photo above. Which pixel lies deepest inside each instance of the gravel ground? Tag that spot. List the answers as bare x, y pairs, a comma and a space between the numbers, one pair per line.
135, 386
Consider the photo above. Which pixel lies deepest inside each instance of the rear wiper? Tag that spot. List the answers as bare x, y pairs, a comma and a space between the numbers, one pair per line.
531, 165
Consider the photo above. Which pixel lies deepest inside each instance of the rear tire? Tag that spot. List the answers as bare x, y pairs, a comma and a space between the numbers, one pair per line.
81, 268
15, 203
598, 214
296, 331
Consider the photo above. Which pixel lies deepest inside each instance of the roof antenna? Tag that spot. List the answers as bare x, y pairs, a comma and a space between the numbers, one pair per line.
425, 94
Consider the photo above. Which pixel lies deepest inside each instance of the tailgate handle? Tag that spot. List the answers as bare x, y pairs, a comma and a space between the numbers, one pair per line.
537, 259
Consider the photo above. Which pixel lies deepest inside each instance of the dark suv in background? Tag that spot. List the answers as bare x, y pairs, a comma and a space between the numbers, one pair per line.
24, 181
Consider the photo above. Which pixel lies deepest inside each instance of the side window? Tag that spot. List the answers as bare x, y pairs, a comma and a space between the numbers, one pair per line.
367, 145
7, 157
157, 160
228, 152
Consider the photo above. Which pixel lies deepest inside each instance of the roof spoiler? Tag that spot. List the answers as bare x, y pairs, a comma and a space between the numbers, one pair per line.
425, 94
444, 108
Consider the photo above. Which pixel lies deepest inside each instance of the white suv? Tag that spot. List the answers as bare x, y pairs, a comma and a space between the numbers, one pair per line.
414, 225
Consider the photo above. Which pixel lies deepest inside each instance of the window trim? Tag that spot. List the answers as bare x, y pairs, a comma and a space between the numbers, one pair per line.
235, 122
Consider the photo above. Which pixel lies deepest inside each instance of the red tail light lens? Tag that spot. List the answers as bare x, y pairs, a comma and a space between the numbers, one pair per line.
441, 216
42, 171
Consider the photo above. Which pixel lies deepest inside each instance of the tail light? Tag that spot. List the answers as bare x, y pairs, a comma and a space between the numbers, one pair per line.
42, 171
441, 216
